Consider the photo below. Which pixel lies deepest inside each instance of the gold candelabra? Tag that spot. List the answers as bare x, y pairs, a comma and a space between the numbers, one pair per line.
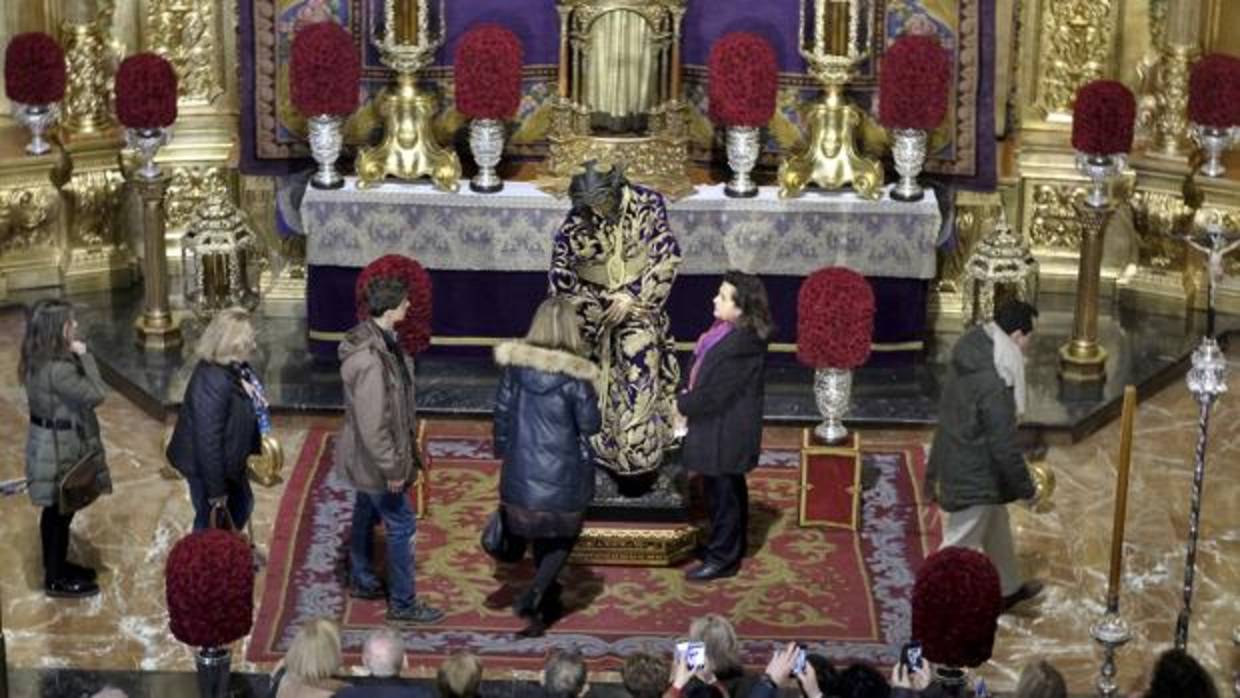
408, 149
830, 158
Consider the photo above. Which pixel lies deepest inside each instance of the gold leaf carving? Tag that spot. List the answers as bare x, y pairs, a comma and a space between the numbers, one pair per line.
184, 32
1077, 38
1055, 222
27, 219
189, 187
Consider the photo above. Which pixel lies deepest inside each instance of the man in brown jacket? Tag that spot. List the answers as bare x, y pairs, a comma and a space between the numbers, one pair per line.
376, 450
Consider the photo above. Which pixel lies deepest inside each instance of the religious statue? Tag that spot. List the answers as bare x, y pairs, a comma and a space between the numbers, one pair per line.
615, 256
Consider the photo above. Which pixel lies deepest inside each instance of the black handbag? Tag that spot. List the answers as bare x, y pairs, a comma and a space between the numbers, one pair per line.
81, 484
500, 543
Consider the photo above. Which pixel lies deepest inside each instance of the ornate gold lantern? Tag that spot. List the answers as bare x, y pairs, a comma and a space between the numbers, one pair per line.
1001, 258
620, 93
219, 261
833, 43
412, 32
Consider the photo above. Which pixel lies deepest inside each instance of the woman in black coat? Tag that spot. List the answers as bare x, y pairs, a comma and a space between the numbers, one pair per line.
545, 411
723, 406
218, 425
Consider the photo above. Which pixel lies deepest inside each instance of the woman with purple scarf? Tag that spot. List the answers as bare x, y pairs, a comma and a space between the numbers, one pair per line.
723, 407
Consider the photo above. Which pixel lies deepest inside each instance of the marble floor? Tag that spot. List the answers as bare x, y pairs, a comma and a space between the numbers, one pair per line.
128, 534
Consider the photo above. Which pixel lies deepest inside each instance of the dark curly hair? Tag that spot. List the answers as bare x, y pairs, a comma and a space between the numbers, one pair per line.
752, 300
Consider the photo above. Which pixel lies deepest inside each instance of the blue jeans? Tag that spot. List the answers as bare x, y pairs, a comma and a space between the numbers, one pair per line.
240, 502
399, 527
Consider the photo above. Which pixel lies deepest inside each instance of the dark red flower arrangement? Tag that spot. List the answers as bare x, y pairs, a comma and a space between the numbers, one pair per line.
835, 319
487, 71
34, 69
415, 329
324, 70
209, 585
1214, 91
913, 83
743, 80
146, 92
956, 606
1103, 118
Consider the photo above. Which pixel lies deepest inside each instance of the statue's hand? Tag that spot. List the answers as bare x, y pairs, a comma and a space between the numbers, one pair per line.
620, 304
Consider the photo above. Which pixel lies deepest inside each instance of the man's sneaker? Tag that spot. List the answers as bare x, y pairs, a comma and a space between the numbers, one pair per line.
1027, 591
367, 593
417, 613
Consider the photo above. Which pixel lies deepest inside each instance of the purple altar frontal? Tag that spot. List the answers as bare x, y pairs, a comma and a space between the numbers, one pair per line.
488, 255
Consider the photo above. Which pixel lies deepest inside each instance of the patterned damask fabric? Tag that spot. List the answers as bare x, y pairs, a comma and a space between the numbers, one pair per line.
512, 230
637, 355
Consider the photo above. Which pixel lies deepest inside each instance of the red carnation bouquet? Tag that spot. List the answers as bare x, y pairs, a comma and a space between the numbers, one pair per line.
835, 319
1103, 118
415, 330
956, 606
487, 70
1214, 91
146, 92
209, 585
743, 80
913, 83
34, 69
324, 70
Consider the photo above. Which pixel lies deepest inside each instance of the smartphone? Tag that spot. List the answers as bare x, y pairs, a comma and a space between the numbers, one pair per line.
980, 690
798, 664
910, 655
694, 654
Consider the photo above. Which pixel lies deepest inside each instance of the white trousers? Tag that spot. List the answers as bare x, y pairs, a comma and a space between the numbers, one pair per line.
986, 527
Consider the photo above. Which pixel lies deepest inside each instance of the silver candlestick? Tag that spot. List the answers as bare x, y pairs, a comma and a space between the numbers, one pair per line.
1214, 142
1207, 380
832, 392
1111, 632
148, 141
908, 150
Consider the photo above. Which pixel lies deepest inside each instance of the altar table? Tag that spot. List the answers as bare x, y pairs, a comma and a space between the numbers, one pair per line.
488, 253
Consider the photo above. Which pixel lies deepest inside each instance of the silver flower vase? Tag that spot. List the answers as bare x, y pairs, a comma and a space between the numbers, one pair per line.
147, 141
908, 149
1214, 142
1101, 170
486, 142
832, 391
325, 144
36, 118
213, 667
743, 147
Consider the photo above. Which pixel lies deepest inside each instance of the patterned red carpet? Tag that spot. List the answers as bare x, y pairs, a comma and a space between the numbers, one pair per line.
841, 593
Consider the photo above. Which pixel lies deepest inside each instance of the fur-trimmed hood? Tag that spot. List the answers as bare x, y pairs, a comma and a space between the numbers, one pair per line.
548, 361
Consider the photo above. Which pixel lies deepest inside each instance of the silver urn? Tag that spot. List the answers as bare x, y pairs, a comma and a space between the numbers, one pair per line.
743, 146
147, 142
832, 392
908, 149
1101, 170
1214, 142
325, 143
37, 118
486, 142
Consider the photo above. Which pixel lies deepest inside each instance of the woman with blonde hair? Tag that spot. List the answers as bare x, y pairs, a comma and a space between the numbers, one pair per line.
545, 411
312, 660
63, 388
221, 421
723, 651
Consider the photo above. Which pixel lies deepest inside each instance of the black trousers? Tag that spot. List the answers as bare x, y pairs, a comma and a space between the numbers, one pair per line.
727, 504
550, 556
54, 534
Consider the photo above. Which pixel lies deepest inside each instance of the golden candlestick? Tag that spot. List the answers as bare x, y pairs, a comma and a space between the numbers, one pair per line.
1121, 498
408, 149
830, 158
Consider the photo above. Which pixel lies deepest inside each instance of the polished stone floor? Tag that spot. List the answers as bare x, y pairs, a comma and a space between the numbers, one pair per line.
128, 534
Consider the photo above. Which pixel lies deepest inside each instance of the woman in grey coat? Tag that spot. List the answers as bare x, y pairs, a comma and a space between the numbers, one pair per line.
63, 388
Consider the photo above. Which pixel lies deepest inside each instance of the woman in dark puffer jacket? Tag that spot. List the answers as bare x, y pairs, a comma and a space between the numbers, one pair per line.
545, 411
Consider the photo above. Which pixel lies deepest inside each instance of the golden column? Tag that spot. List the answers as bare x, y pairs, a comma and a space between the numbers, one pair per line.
1082, 359
1180, 48
408, 149
88, 91
157, 328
